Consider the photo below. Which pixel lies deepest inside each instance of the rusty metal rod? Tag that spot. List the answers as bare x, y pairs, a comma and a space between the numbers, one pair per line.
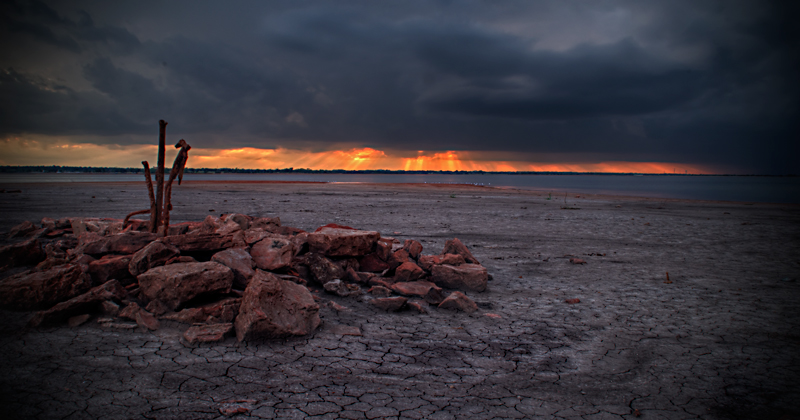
153, 208
162, 138
176, 172
133, 213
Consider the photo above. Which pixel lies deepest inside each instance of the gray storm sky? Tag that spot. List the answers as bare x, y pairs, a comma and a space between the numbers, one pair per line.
697, 82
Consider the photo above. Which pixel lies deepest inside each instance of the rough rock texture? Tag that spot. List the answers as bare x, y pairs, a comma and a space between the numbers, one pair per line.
459, 301
454, 246
413, 248
322, 269
338, 242
398, 258
24, 253
208, 242
452, 259
121, 243
110, 267
272, 307
21, 230
408, 271
337, 287
372, 263
265, 223
414, 288
272, 253
240, 262
207, 333
472, 277
27, 291
87, 302
428, 261
155, 254
176, 284
390, 304
143, 318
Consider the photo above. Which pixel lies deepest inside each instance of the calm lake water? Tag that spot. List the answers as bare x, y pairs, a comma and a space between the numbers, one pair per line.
726, 188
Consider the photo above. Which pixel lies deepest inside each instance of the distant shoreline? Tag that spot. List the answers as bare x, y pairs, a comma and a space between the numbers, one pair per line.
115, 170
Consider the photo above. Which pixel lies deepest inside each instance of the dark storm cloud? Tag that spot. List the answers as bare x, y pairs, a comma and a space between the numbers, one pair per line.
695, 82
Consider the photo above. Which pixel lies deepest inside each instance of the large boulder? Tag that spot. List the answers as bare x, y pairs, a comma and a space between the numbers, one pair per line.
463, 277
176, 284
42, 289
454, 246
153, 255
238, 260
110, 267
272, 307
342, 242
272, 253
88, 302
24, 253
121, 243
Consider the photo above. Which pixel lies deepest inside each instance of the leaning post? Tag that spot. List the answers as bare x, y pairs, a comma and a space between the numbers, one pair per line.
162, 139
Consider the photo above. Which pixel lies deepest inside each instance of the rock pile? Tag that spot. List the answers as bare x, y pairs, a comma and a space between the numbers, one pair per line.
239, 273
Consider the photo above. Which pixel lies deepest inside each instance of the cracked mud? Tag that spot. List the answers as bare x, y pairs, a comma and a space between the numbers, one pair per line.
720, 341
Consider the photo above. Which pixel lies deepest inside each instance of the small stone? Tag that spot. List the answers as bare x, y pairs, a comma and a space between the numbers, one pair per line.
207, 333
346, 330
337, 287
390, 304
459, 301
577, 261
380, 291
454, 246
418, 306
78, 320
573, 301
109, 308
337, 307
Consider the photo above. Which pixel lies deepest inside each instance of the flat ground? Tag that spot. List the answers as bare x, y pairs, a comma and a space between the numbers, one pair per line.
721, 341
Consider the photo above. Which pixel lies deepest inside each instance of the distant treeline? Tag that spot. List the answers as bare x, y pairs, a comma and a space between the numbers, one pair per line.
107, 170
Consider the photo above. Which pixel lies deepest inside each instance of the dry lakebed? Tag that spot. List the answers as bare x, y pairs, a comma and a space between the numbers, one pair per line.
614, 337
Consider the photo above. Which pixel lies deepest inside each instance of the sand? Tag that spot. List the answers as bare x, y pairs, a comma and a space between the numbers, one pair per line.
720, 341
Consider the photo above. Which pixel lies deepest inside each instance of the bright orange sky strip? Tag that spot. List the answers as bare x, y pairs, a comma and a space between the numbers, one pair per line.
33, 152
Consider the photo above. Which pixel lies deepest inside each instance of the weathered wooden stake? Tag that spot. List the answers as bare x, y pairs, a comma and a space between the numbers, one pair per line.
162, 139
153, 208
176, 172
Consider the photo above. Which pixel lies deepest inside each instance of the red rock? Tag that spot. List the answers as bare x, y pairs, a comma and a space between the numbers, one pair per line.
428, 261
252, 236
337, 307
207, 333
380, 291
378, 281
577, 261
21, 230
435, 296
224, 310
78, 320
50, 263
334, 226
351, 275
272, 253
372, 263
155, 254
495, 316
322, 269
199, 241
390, 304
413, 248
34, 290
383, 248
110, 267
109, 308
238, 260
176, 284
418, 306
48, 223
289, 231
181, 228
414, 288
90, 301
459, 301
121, 243
365, 277
265, 223
572, 301
24, 253
397, 258
156, 308
229, 228
242, 220
272, 307
408, 271
187, 316
337, 287
454, 246
180, 259
143, 318
452, 259
346, 330
464, 277
340, 242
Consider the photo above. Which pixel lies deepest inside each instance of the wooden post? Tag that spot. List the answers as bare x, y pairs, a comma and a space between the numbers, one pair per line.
153, 208
162, 139
176, 172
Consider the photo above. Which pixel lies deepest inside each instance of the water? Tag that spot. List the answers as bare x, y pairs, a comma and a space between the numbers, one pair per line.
723, 188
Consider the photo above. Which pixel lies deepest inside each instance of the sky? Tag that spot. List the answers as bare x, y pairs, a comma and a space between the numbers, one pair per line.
597, 86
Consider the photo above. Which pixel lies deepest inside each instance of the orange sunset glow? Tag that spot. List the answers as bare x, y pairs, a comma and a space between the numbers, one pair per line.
38, 152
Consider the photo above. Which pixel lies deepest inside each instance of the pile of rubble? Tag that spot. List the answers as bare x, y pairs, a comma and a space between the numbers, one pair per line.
236, 273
